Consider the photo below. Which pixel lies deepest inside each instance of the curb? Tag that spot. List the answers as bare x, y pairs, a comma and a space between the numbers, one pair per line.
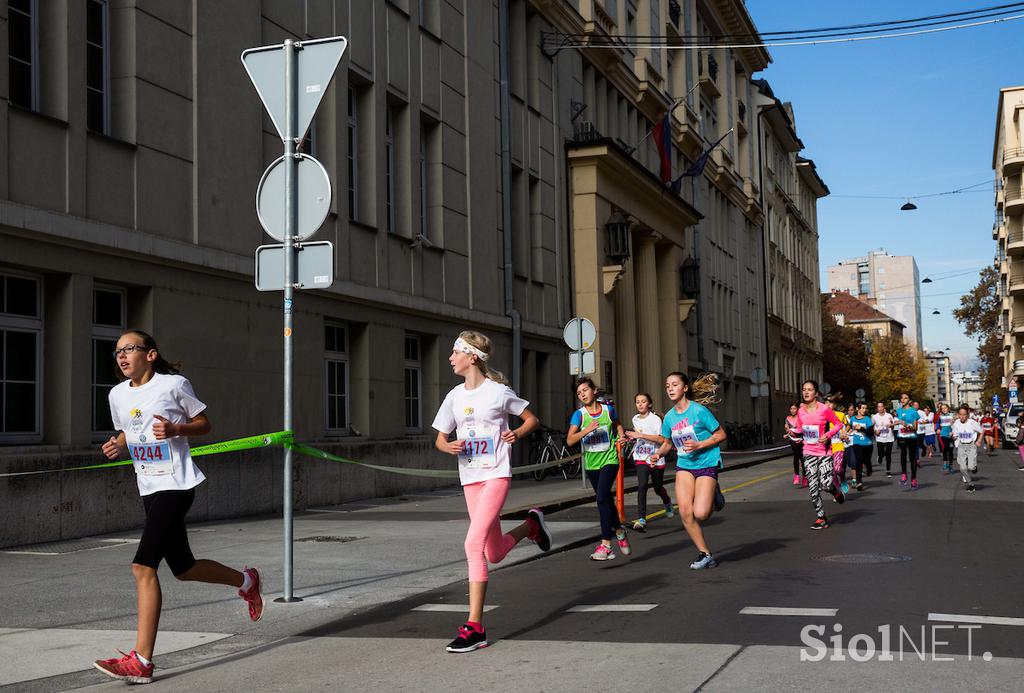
585, 497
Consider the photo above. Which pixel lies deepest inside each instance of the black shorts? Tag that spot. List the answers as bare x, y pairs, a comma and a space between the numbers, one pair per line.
164, 537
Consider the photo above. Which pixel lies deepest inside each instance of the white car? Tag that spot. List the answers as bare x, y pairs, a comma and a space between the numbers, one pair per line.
1011, 423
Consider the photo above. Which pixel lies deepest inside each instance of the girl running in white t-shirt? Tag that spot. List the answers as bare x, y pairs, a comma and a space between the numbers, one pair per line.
647, 436
478, 412
155, 411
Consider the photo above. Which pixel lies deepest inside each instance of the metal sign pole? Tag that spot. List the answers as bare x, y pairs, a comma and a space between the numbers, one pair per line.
583, 471
291, 218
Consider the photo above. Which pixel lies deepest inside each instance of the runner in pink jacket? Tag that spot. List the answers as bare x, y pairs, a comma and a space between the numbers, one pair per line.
812, 419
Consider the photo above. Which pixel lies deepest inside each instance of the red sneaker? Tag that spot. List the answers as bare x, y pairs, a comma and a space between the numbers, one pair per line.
253, 597
127, 668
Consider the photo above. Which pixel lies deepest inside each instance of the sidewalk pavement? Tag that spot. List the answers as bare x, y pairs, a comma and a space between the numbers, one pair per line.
67, 603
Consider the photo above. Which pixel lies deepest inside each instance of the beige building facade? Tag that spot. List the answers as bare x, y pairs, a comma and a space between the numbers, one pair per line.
940, 377
791, 188
1008, 229
891, 283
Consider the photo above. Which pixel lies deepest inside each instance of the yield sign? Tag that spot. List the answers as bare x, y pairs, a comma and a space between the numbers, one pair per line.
317, 61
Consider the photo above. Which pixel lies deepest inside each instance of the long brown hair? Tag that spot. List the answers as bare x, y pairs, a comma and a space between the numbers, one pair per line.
703, 390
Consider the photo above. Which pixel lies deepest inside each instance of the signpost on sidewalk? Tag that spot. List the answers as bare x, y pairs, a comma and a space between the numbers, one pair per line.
292, 199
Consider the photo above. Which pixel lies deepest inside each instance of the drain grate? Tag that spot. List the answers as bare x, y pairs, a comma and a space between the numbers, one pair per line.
327, 538
57, 548
862, 558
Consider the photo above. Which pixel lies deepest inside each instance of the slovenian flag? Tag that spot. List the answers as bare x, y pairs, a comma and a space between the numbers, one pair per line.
663, 140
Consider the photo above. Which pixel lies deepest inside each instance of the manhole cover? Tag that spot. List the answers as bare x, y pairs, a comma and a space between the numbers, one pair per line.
862, 558
328, 538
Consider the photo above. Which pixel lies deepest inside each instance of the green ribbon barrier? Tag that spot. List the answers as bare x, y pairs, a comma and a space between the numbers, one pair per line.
249, 443
416, 471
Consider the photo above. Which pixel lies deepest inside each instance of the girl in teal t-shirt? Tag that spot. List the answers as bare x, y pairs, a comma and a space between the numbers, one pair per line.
694, 432
596, 427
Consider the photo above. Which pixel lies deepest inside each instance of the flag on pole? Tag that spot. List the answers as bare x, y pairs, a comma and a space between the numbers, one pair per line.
662, 132
697, 167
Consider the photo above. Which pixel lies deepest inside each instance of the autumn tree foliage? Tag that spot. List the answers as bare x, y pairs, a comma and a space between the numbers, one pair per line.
980, 313
895, 368
844, 357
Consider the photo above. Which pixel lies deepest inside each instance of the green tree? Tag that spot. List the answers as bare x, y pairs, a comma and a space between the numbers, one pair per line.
844, 356
980, 313
895, 368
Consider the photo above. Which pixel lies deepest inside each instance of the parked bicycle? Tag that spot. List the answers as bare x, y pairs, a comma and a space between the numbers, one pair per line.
549, 446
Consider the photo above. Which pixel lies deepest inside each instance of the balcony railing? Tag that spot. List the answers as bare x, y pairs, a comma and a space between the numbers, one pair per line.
1015, 236
1013, 153
1014, 192
1018, 322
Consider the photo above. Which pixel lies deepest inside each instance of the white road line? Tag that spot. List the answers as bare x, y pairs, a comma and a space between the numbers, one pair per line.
785, 611
590, 608
968, 618
457, 608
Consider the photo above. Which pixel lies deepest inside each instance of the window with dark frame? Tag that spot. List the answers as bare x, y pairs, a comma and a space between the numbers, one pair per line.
413, 384
97, 66
353, 155
22, 53
21, 331
389, 169
108, 322
336, 376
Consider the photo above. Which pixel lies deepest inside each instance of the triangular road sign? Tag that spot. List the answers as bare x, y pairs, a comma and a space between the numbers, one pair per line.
317, 61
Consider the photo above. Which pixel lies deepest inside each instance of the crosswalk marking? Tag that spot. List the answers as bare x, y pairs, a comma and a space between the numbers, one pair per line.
786, 611
457, 608
968, 618
590, 608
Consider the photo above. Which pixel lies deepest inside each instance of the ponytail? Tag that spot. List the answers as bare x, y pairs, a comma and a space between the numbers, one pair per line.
703, 390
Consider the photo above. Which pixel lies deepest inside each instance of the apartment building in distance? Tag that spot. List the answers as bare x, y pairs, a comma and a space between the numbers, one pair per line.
967, 387
940, 377
891, 282
791, 188
1008, 229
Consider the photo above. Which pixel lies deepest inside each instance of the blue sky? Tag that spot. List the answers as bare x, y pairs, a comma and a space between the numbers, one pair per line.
901, 117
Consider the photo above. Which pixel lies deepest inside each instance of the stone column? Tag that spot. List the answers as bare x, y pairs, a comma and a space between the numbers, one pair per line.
646, 282
626, 379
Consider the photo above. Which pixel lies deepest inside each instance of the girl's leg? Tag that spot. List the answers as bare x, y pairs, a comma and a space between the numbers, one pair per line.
812, 465
608, 475
795, 448
913, 462
685, 497
212, 572
858, 461
1020, 451
867, 452
904, 454
150, 601
642, 474
602, 485
658, 482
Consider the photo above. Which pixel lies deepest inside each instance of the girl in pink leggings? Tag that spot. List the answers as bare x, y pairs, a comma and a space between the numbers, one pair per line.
478, 411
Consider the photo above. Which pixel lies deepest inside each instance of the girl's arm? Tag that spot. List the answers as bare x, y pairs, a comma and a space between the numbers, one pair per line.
716, 439
575, 435
530, 423
115, 447
662, 450
163, 429
837, 425
451, 448
619, 432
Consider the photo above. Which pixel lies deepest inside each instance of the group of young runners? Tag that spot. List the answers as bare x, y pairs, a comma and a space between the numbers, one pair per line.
155, 411
825, 443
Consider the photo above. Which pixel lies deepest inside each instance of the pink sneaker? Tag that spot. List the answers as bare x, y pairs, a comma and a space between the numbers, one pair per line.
620, 536
127, 668
602, 553
803, 482
796, 479
253, 597
903, 479
913, 484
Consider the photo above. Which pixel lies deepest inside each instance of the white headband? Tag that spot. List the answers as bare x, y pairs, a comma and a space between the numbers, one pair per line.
466, 348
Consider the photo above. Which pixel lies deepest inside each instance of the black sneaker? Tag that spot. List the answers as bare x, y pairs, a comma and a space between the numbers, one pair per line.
970, 488
837, 494
469, 639
719, 501
888, 474
543, 535
820, 523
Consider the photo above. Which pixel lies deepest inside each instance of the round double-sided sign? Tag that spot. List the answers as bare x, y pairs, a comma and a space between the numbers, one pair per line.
579, 334
314, 198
